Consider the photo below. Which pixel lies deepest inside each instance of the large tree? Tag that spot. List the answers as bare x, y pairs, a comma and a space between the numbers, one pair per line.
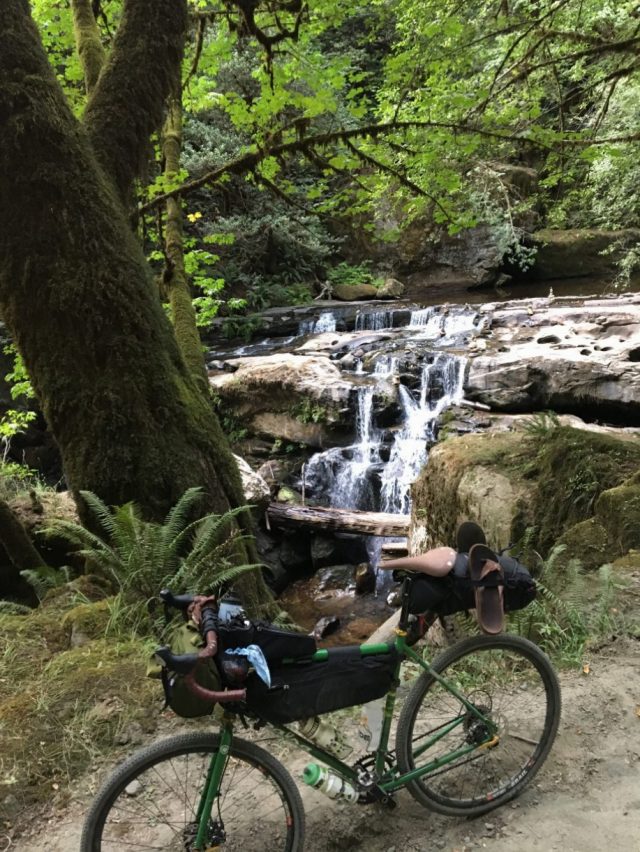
76, 293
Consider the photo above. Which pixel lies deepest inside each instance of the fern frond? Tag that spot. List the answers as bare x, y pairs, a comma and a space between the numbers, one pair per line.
99, 511
178, 518
11, 608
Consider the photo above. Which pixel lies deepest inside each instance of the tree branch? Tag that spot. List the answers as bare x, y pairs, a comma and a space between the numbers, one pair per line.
88, 42
305, 144
128, 103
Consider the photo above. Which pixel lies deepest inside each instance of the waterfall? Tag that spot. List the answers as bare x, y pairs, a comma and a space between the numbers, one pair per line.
441, 385
356, 477
325, 322
374, 320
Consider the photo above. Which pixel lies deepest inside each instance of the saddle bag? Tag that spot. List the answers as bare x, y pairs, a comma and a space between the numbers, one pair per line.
305, 689
455, 592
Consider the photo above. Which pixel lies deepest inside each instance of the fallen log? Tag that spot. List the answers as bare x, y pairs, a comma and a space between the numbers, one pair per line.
343, 520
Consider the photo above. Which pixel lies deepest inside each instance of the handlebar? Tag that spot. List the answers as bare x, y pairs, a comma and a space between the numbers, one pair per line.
203, 611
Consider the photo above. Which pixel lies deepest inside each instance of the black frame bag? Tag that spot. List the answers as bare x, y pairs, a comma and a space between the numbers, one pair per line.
276, 644
306, 689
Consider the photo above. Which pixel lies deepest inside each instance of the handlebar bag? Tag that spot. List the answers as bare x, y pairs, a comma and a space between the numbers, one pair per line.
185, 638
309, 688
455, 592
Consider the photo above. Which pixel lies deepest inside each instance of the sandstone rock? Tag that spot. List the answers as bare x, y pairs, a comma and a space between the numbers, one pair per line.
577, 487
581, 253
256, 490
581, 358
354, 292
277, 382
287, 428
391, 289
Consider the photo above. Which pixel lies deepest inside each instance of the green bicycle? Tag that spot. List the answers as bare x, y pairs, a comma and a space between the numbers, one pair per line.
476, 726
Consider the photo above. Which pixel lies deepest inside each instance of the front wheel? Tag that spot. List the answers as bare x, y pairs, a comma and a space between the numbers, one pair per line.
512, 683
151, 801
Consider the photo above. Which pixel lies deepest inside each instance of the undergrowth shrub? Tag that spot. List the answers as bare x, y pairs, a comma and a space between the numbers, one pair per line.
573, 608
142, 557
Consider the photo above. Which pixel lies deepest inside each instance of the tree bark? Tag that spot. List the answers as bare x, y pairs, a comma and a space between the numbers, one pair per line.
88, 42
127, 105
183, 312
79, 301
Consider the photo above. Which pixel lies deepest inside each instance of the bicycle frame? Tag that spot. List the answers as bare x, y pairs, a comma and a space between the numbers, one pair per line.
389, 779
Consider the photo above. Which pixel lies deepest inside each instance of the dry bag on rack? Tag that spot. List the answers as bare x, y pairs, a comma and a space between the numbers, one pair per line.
304, 689
455, 592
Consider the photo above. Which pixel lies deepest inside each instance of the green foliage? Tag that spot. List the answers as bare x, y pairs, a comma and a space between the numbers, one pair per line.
311, 411
141, 557
542, 424
350, 275
16, 420
572, 611
44, 578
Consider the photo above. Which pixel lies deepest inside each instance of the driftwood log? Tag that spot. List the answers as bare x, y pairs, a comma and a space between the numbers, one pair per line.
344, 520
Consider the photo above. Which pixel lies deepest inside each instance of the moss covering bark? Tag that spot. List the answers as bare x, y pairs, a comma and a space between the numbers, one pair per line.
88, 42
128, 103
182, 310
76, 293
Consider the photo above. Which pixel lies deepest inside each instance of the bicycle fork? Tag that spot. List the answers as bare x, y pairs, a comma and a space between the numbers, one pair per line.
210, 792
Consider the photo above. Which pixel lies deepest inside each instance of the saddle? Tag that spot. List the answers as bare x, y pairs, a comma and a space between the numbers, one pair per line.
471, 561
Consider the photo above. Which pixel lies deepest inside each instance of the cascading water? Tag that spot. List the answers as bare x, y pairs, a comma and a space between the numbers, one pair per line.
409, 450
358, 477
325, 322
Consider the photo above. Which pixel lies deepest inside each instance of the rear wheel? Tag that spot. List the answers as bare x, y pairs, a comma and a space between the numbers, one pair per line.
512, 683
151, 801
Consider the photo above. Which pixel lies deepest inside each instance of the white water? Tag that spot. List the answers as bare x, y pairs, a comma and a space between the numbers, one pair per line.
347, 477
325, 322
409, 450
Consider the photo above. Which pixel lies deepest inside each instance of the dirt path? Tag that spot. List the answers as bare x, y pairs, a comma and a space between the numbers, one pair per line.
585, 799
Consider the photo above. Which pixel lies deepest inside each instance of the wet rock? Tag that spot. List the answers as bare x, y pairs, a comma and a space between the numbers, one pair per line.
335, 577
391, 289
288, 495
295, 553
327, 625
365, 579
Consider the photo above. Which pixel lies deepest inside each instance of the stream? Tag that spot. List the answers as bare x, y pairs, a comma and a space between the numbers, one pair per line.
406, 365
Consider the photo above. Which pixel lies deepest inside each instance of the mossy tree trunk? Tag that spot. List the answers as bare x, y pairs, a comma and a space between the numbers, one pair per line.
75, 290
88, 42
179, 291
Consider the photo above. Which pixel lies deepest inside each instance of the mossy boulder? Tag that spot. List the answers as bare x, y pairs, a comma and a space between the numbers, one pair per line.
473, 476
354, 292
563, 485
87, 621
587, 541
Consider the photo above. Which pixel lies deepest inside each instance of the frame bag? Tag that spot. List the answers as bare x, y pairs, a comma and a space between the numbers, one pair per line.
309, 688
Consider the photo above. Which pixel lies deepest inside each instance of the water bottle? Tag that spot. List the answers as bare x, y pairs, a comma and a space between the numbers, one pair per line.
326, 736
230, 607
329, 783
371, 720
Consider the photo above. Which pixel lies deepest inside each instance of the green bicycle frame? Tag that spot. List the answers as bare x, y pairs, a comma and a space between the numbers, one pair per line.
389, 778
